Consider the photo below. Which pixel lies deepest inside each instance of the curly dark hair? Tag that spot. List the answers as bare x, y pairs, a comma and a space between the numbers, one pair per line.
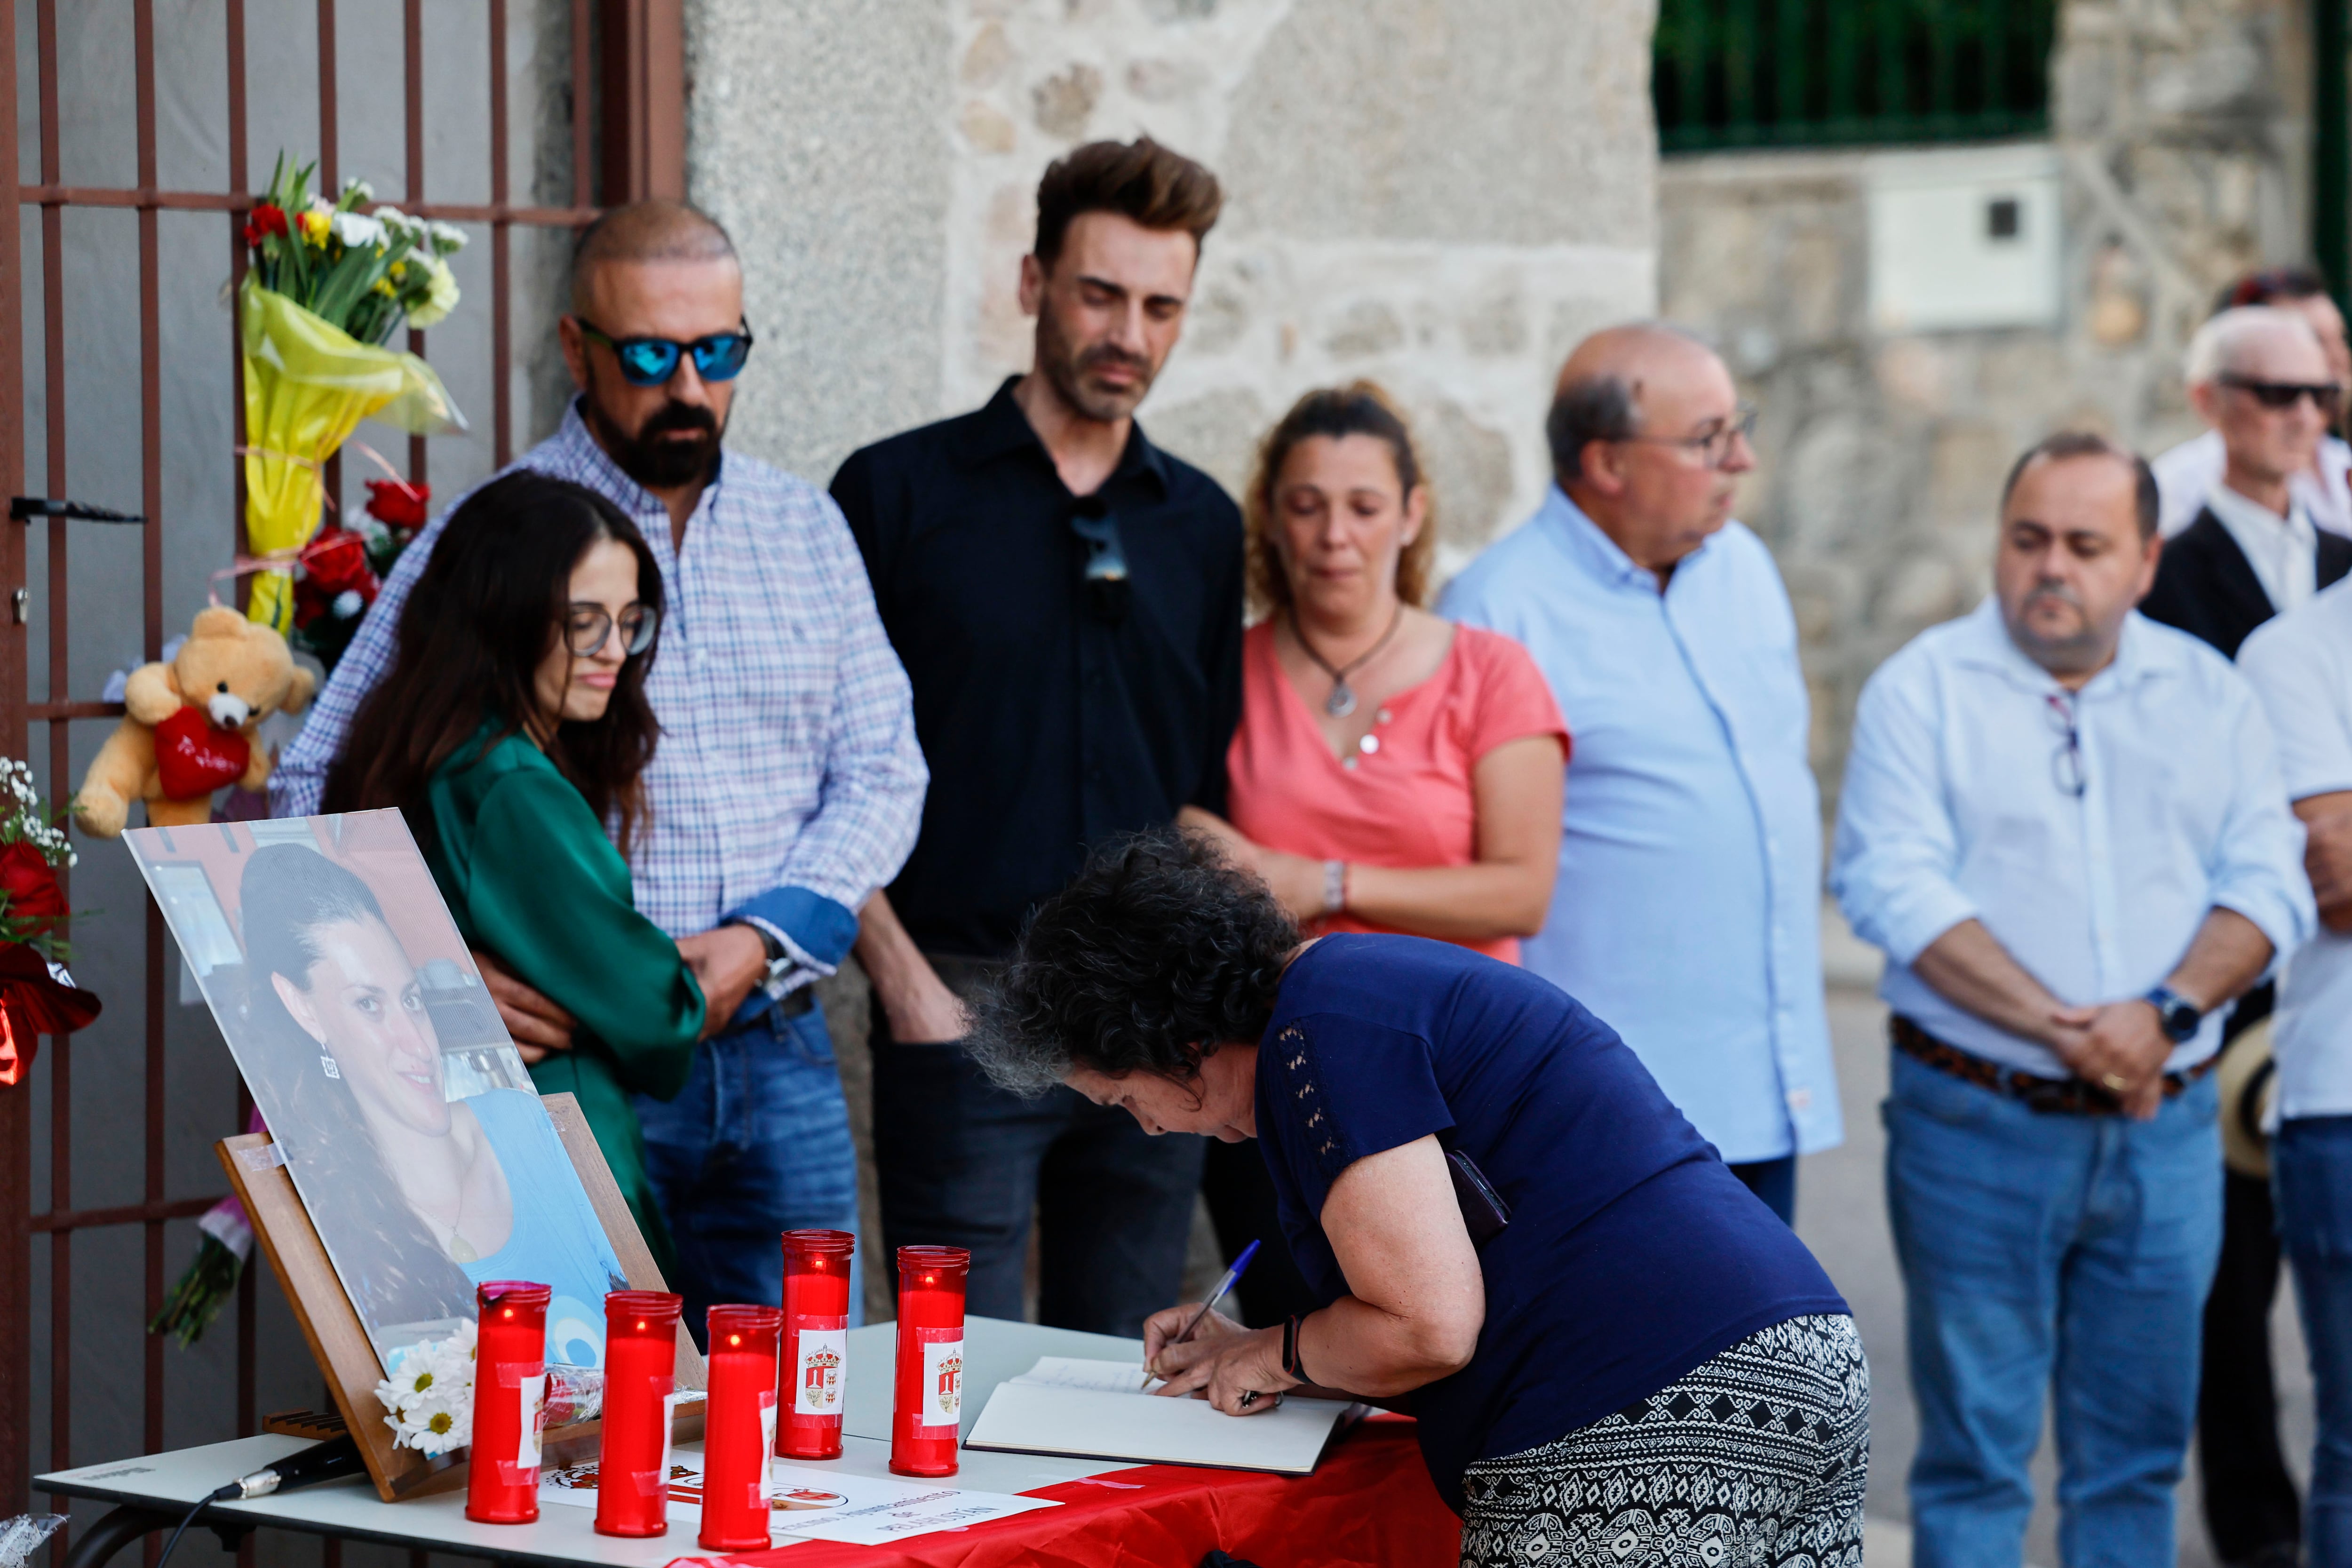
1162, 951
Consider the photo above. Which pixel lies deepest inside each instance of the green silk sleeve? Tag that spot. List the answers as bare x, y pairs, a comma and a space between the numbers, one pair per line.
549, 895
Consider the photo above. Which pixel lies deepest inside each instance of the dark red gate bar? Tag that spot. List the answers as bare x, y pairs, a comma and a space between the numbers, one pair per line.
642, 149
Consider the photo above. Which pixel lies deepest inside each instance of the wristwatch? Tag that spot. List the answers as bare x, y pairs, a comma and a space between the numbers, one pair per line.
779, 959
2179, 1015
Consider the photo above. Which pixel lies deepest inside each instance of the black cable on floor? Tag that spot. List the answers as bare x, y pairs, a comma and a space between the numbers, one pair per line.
219, 1494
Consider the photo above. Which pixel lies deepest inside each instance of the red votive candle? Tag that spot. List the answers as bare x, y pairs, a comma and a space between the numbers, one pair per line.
739, 1427
640, 1376
813, 1375
927, 1402
510, 1383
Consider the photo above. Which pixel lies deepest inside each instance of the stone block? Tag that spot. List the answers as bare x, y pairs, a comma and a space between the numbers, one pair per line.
1217, 432
1064, 103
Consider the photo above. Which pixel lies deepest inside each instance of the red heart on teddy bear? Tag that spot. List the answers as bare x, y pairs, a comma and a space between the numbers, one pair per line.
192, 759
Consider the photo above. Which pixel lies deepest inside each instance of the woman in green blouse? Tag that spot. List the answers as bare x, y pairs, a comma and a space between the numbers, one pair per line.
512, 728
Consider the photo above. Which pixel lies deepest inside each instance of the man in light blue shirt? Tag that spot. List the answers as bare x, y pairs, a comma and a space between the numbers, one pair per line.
2066, 824
1687, 910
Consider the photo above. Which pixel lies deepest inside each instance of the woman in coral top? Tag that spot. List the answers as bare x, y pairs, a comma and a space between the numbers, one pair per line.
1393, 771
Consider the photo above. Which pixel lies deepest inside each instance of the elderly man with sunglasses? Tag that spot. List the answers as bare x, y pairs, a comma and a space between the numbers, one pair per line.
2065, 825
787, 784
1687, 908
2266, 381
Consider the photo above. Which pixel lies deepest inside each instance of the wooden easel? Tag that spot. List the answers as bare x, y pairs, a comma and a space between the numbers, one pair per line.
341, 1345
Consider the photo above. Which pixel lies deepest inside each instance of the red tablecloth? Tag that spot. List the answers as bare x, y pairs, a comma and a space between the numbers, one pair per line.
1368, 1505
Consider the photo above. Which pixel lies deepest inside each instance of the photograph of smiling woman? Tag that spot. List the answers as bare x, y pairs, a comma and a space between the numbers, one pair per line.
417, 1197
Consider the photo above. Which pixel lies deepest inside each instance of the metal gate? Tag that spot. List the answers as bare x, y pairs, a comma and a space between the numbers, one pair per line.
627, 140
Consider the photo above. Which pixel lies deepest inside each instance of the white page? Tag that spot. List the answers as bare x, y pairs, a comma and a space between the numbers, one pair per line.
879, 1523
1070, 1371
1026, 1418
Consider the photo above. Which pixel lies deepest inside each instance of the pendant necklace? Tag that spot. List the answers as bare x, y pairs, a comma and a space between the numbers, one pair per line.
1342, 701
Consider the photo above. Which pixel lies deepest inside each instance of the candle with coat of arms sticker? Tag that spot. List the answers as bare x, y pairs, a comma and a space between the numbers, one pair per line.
813, 1373
739, 1428
510, 1381
640, 1397
927, 1400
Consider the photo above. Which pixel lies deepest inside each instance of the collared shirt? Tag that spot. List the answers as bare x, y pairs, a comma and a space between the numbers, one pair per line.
786, 784
1052, 719
2300, 665
2282, 550
1687, 910
1959, 804
2186, 474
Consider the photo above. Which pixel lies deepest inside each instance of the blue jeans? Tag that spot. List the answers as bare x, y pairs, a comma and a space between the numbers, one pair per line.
2311, 1167
757, 1143
2041, 1248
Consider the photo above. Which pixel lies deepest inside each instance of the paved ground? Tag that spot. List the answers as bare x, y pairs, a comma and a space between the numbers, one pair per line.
1842, 1214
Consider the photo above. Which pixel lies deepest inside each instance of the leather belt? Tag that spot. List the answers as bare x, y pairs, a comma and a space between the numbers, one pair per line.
2049, 1096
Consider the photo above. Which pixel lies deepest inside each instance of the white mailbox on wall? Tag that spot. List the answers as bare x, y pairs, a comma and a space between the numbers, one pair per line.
1964, 237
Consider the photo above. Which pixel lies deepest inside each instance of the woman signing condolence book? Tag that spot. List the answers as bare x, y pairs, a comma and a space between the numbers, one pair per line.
512, 728
1643, 1363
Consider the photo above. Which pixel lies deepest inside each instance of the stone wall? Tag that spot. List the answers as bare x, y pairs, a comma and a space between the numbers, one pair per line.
1441, 195
2180, 133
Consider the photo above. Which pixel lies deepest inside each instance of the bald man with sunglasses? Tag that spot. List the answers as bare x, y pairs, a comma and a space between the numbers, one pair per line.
787, 784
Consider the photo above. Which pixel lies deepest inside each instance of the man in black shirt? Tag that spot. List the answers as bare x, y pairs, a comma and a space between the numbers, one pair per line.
1066, 599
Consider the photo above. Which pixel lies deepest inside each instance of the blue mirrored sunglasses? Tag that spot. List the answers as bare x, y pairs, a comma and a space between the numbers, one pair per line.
651, 361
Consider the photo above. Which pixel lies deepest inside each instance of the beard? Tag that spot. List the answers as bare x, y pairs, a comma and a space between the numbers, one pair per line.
2065, 652
650, 457
1067, 367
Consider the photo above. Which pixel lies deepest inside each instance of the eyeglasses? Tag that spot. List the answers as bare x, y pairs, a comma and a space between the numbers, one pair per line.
2066, 762
1714, 447
1097, 527
587, 627
651, 361
2325, 397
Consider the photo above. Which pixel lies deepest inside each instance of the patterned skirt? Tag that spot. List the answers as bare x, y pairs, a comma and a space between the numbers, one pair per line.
1757, 1459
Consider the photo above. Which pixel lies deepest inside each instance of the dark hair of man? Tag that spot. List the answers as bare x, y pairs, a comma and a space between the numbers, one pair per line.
289, 894
644, 232
2271, 285
1158, 952
1359, 408
2068, 444
1590, 408
477, 625
1140, 180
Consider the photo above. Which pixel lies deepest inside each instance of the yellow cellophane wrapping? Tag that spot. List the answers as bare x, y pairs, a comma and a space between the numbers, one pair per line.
306, 385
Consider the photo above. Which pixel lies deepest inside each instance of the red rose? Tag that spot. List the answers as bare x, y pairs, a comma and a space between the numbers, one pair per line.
396, 503
267, 218
31, 885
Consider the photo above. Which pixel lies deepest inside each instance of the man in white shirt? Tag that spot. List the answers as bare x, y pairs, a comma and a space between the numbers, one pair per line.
2187, 473
2301, 666
2065, 825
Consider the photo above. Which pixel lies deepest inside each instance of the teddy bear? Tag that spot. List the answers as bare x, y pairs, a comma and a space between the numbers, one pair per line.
189, 726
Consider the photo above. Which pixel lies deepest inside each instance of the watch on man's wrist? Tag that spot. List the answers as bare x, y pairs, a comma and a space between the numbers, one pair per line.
2178, 1016
769, 943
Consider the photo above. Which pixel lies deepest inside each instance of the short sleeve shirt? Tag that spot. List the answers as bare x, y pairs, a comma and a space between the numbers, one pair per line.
1408, 799
1632, 1253
2300, 665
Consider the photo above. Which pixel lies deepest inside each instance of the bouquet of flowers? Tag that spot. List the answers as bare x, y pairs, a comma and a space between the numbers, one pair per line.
430, 1400
327, 285
36, 996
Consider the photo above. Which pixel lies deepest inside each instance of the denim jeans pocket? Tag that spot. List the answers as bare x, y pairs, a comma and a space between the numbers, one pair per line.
808, 1037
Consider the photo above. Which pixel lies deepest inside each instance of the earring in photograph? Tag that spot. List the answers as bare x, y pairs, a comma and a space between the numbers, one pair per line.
329, 1063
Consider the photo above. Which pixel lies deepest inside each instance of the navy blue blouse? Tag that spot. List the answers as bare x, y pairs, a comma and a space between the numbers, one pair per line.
1633, 1254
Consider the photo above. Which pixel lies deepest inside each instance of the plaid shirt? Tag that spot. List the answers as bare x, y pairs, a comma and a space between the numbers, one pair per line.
787, 786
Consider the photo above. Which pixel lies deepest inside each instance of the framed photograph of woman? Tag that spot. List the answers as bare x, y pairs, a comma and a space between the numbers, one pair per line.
409, 1125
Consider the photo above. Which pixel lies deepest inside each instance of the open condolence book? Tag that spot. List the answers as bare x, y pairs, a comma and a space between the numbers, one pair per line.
1101, 1410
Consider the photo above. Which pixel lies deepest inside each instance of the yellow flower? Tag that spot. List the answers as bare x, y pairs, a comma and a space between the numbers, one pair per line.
315, 224
383, 287
441, 296
398, 269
